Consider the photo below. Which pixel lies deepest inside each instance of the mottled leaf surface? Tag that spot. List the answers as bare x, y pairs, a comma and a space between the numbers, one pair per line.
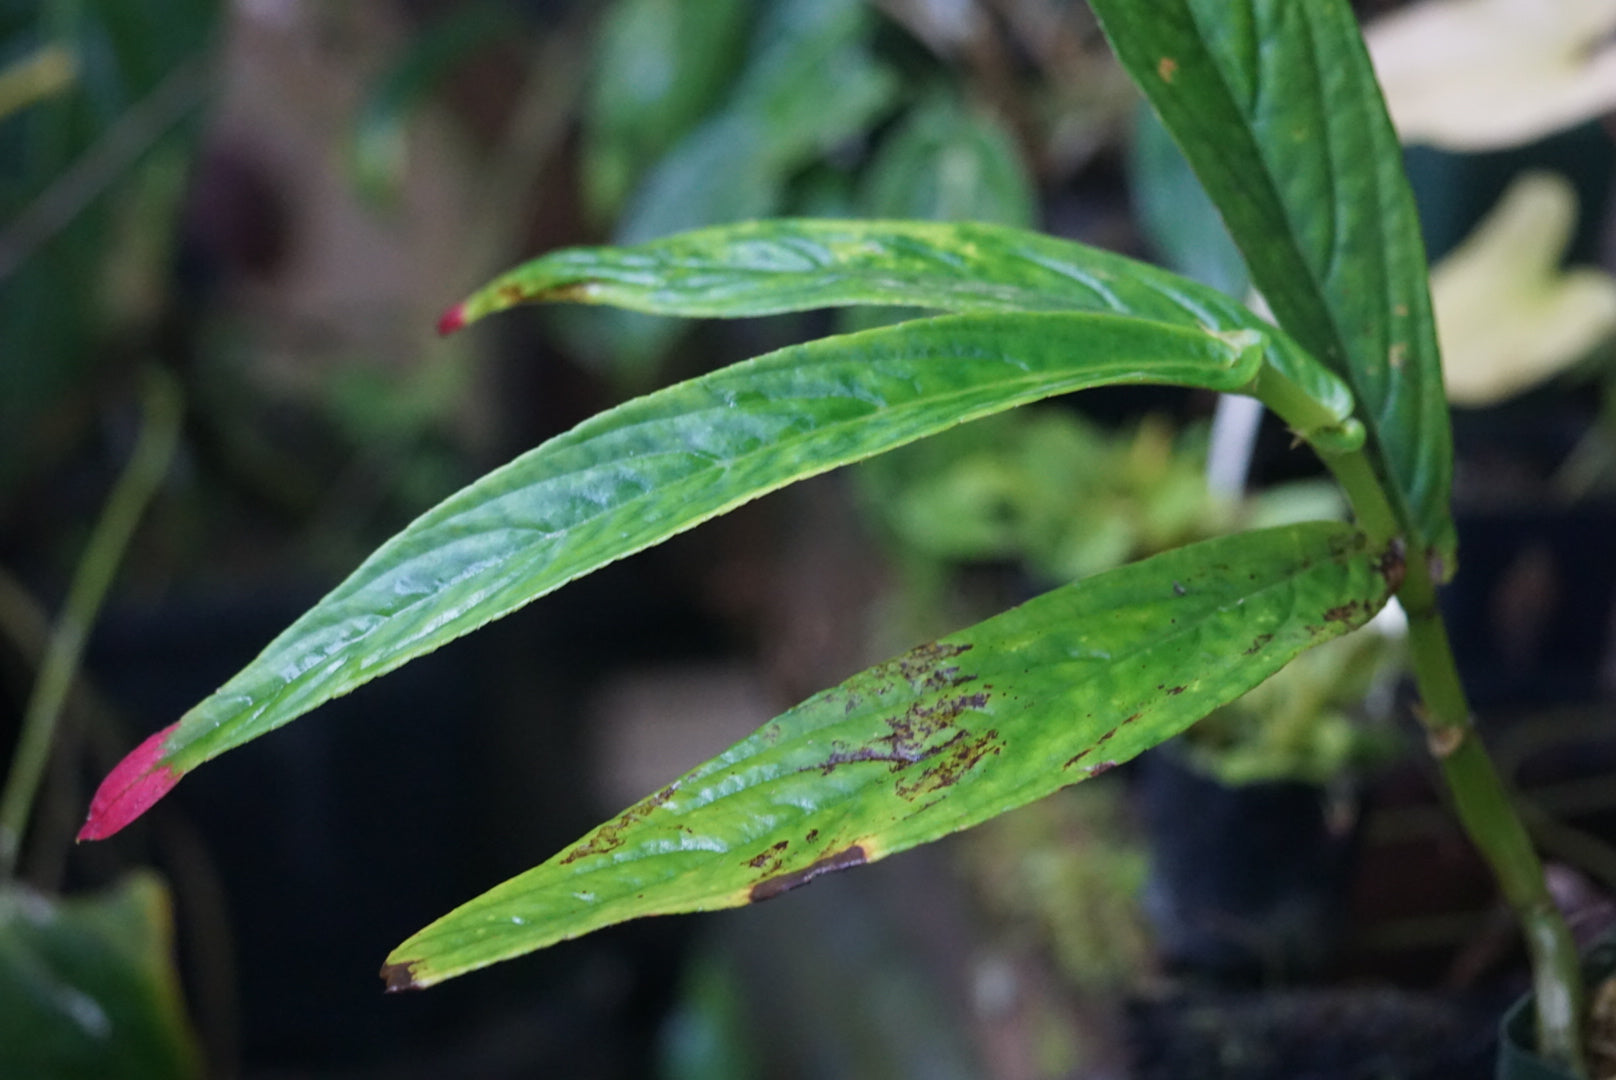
1276, 106
941, 738
637, 474
767, 267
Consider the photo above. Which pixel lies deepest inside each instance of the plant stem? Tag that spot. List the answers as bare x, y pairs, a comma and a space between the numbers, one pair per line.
1489, 817
147, 464
1329, 436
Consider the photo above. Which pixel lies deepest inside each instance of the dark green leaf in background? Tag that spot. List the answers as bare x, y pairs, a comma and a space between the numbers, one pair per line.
660, 65
811, 84
945, 163
378, 152
1177, 215
1275, 104
939, 739
88, 989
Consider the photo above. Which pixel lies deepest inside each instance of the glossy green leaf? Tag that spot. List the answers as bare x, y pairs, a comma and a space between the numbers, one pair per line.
939, 739
761, 268
1275, 104
88, 988
637, 474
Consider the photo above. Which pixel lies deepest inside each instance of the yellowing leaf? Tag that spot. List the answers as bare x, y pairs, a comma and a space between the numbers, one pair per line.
1473, 75
1507, 315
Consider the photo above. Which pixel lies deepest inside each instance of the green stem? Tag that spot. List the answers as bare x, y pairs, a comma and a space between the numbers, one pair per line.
1338, 442
1490, 819
1479, 797
147, 465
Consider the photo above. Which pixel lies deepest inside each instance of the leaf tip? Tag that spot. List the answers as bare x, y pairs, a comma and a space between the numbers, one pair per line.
400, 976
131, 788
452, 320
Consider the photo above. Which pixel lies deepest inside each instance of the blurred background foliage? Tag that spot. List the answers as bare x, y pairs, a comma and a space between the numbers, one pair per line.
272, 200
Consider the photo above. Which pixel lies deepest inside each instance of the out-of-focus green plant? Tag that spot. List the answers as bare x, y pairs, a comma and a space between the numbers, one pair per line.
1048, 490
87, 985
1066, 872
98, 92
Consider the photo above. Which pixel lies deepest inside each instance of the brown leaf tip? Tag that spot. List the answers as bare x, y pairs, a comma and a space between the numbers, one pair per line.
400, 976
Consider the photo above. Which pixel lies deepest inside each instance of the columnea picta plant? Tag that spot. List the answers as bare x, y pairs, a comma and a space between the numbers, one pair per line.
1276, 106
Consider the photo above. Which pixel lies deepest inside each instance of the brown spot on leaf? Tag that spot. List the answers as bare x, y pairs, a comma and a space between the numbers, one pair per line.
1102, 767
813, 834
769, 888
1343, 612
924, 668
1174, 691
1258, 643
1397, 355
1167, 67
609, 837
920, 732
768, 860
1079, 756
963, 755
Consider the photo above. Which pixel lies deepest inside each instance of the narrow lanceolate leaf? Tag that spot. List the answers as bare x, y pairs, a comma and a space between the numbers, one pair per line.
1275, 104
637, 474
766, 267
943, 737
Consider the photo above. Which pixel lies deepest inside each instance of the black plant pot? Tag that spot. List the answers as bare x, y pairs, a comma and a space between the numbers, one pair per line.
1517, 1032
1247, 884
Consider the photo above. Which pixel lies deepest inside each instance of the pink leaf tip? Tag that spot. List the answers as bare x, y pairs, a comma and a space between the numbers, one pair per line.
452, 320
131, 788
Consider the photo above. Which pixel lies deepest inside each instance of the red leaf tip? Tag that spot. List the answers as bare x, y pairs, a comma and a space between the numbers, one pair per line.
131, 788
452, 320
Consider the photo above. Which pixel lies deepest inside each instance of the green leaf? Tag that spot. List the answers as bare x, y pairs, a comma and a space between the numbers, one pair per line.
939, 739
637, 474
1175, 212
1275, 104
762, 268
660, 65
812, 84
946, 163
88, 988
